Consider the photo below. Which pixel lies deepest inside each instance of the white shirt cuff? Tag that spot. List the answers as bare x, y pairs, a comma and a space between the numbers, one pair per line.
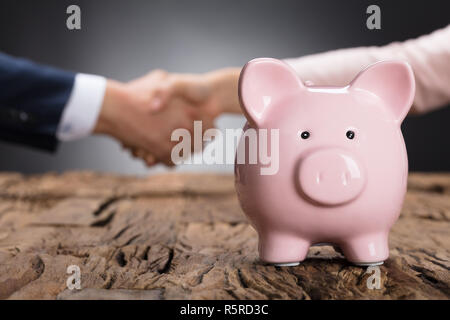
83, 107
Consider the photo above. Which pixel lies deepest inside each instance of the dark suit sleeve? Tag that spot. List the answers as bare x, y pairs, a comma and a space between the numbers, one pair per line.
32, 98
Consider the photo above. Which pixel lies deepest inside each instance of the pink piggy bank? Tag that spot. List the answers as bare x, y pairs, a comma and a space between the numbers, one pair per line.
342, 166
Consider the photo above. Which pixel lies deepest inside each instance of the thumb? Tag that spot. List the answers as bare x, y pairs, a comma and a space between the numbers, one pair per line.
159, 99
190, 88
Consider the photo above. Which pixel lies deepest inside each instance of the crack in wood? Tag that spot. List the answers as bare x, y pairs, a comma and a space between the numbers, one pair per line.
168, 264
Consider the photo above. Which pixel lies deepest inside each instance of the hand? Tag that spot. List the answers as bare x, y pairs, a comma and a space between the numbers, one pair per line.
214, 93
209, 94
127, 115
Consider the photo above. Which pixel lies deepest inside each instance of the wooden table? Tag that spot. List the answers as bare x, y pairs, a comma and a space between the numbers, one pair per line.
183, 236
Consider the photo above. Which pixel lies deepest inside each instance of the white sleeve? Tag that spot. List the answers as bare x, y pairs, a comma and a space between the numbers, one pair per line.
83, 107
428, 55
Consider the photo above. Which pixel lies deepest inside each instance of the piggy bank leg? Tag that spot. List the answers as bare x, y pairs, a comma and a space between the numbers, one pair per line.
282, 250
367, 250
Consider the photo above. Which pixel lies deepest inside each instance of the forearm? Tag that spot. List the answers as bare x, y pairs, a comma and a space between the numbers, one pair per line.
116, 98
225, 86
428, 55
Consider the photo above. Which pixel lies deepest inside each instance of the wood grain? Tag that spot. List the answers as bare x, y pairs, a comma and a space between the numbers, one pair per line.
183, 236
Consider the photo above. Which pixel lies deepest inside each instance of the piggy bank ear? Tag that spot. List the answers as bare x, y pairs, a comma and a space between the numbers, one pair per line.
263, 82
393, 82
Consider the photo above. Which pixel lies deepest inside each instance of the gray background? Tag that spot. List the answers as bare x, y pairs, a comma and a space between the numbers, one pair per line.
124, 39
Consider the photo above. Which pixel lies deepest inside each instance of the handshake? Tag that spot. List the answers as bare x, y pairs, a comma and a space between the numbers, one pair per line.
143, 113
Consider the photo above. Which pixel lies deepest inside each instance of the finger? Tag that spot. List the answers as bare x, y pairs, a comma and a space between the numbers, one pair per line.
144, 155
190, 88
167, 162
157, 103
134, 152
150, 160
167, 159
126, 146
141, 153
160, 97
185, 87
138, 153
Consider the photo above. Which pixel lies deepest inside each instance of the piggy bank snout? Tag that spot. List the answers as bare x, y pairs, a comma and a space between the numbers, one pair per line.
331, 176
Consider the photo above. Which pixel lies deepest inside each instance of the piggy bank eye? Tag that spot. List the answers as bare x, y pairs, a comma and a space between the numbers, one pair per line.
305, 135
350, 134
